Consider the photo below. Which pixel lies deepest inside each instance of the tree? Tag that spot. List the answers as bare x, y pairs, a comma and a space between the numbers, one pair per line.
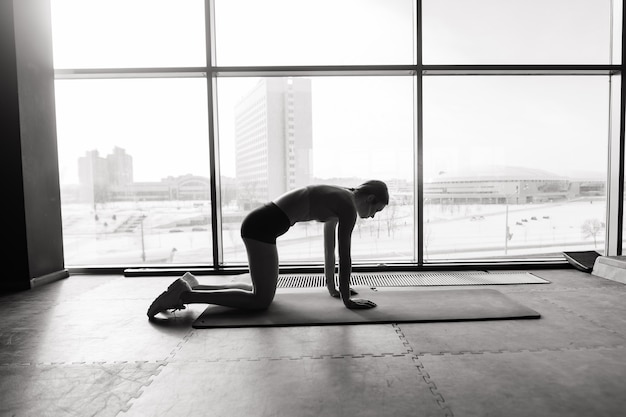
390, 217
591, 228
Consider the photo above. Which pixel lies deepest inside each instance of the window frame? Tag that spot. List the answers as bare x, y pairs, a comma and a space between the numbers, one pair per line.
418, 70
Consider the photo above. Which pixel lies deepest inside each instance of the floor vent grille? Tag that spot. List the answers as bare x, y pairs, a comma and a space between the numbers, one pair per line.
414, 279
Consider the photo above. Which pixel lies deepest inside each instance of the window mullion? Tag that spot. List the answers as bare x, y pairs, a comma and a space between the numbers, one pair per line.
216, 206
419, 133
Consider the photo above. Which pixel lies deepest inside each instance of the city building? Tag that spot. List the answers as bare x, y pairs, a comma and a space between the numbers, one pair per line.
273, 136
98, 175
110, 178
120, 167
509, 185
260, 179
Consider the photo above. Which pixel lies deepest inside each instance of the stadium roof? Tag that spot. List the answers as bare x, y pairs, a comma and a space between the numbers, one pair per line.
497, 173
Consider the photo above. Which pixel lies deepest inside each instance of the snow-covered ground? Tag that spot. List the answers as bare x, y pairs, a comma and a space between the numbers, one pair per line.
180, 232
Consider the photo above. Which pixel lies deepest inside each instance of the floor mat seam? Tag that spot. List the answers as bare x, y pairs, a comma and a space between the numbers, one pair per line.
517, 351
585, 318
297, 358
438, 397
139, 392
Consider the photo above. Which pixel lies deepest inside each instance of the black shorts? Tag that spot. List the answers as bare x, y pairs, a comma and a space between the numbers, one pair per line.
265, 224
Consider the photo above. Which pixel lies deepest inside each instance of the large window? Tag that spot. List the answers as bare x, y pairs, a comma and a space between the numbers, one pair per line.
128, 33
496, 179
495, 124
280, 133
314, 32
521, 31
134, 168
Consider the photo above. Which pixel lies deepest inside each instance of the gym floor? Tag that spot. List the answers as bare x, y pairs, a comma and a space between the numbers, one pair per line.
83, 347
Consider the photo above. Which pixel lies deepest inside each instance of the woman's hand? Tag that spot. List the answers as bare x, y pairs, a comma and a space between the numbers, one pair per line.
359, 303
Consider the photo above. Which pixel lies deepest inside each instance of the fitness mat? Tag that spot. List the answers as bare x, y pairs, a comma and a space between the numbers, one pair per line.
315, 307
583, 260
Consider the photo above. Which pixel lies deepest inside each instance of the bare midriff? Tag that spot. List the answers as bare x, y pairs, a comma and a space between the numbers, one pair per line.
295, 204
314, 202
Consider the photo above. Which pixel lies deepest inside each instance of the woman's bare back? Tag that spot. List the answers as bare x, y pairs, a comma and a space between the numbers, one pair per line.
317, 202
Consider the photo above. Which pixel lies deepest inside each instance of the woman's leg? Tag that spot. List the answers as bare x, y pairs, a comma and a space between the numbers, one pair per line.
227, 286
263, 264
195, 285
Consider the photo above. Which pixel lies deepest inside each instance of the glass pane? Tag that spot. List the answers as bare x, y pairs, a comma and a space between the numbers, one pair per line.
134, 167
128, 33
277, 134
518, 32
321, 32
514, 166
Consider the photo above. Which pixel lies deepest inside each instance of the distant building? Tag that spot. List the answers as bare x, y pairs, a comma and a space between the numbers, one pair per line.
111, 179
273, 139
93, 177
96, 175
184, 187
508, 185
116, 168
120, 167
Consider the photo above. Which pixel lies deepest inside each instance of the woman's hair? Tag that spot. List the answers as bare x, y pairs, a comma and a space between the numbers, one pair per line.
376, 188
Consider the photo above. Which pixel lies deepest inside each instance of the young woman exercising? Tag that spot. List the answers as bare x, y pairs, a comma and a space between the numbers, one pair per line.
336, 207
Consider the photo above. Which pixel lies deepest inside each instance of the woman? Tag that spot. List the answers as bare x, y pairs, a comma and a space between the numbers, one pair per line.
336, 207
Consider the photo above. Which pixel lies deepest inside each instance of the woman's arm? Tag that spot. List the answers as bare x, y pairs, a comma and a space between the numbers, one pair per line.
345, 258
329, 256
330, 228
345, 264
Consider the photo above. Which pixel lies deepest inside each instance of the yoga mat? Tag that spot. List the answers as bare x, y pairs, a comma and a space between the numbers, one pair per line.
315, 307
583, 260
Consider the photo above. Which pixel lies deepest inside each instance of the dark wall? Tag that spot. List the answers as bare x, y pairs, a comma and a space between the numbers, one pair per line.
31, 210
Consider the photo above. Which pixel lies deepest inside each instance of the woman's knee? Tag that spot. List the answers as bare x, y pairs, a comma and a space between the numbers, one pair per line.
260, 302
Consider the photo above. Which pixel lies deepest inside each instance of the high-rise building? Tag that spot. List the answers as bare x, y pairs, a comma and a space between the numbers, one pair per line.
273, 139
92, 169
120, 166
115, 169
93, 176
97, 175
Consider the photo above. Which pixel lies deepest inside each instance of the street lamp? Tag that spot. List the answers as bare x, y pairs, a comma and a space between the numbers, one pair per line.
143, 246
507, 234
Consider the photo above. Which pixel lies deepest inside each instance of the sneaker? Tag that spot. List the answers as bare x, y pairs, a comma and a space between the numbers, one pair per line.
170, 299
191, 279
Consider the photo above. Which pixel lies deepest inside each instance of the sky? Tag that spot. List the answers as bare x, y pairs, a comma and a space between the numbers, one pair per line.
362, 126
